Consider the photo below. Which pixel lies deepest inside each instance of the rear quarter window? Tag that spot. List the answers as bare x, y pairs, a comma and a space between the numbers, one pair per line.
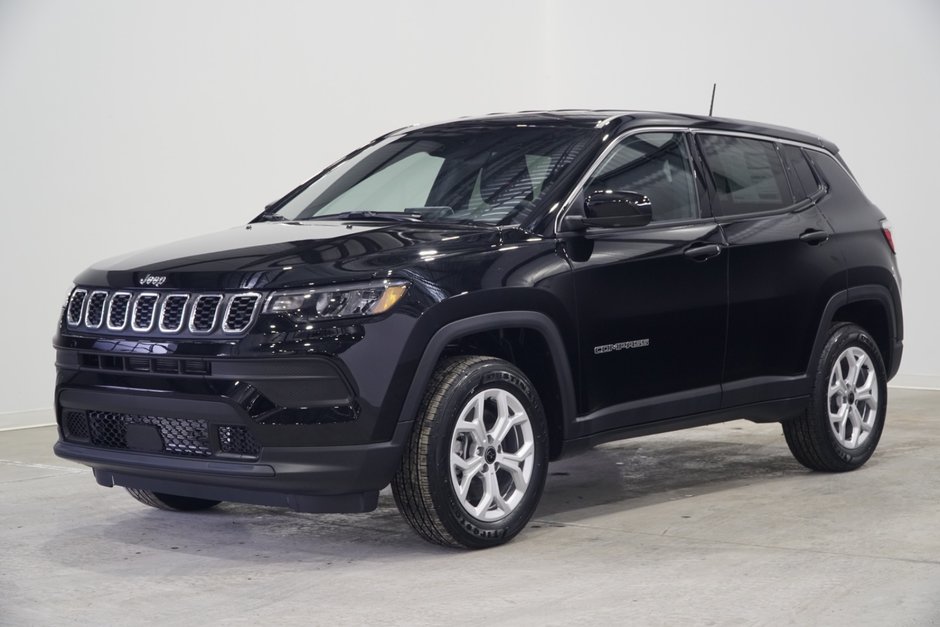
802, 179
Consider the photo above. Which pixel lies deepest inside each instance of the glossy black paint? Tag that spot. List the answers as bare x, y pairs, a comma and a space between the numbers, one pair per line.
636, 330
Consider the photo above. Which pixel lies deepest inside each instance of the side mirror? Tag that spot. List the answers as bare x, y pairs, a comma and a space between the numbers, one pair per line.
617, 209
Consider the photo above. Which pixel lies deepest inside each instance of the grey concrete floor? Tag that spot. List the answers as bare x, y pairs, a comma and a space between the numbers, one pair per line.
712, 526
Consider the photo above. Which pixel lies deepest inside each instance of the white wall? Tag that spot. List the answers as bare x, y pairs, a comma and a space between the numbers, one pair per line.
125, 124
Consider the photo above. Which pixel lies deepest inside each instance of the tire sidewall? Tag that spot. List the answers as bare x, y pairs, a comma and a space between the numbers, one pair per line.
471, 531
844, 337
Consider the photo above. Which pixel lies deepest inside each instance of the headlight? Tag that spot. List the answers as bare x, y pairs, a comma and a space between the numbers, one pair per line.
338, 301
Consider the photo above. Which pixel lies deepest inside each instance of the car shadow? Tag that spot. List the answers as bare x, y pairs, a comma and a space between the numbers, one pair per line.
646, 471
618, 477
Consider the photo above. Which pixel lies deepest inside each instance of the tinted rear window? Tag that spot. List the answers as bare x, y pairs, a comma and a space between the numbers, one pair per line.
801, 175
747, 173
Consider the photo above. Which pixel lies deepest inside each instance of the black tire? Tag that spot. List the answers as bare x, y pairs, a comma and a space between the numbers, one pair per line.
171, 502
424, 487
810, 437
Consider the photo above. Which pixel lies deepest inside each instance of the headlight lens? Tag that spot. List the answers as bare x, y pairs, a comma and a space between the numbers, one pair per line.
340, 301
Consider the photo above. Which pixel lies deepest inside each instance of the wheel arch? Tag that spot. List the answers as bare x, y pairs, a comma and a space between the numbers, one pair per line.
554, 384
873, 308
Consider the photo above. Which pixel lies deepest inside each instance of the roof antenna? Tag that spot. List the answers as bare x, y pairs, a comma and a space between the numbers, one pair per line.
711, 107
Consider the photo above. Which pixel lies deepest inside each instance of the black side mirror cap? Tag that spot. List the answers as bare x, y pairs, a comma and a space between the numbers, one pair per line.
610, 208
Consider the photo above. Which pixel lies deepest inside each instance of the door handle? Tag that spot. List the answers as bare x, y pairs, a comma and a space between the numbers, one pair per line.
814, 237
702, 252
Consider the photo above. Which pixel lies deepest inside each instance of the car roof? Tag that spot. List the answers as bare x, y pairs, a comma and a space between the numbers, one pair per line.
620, 120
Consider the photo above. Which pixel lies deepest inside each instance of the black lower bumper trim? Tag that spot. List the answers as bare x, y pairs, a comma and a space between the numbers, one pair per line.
309, 479
315, 504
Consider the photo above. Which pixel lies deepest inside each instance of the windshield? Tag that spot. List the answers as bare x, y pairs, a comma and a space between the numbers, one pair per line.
493, 175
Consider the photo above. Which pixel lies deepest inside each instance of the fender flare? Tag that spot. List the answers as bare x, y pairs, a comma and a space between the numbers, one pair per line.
533, 320
877, 293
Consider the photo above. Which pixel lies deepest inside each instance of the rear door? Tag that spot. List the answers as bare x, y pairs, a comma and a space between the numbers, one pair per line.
782, 267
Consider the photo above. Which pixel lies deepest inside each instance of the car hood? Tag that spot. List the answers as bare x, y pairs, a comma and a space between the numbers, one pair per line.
287, 254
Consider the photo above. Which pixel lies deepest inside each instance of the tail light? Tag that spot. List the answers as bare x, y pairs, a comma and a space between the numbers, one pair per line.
889, 236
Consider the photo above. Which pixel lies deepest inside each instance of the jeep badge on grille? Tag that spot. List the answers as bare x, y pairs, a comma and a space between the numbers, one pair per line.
153, 280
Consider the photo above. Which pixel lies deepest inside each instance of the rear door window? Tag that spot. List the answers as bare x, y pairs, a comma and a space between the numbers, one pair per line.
748, 174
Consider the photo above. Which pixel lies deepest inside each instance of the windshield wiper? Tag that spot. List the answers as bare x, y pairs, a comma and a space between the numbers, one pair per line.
381, 216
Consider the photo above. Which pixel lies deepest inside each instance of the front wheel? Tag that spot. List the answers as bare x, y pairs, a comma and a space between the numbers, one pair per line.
171, 502
847, 411
474, 470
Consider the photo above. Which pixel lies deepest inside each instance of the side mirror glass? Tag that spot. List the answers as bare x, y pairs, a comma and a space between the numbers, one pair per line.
609, 208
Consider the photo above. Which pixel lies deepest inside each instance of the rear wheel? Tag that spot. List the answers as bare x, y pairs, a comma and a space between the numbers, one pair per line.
171, 502
475, 467
842, 428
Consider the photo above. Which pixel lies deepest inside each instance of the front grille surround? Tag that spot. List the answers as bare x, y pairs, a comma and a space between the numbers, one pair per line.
118, 308
94, 310
145, 306
76, 307
200, 318
240, 312
163, 313
173, 312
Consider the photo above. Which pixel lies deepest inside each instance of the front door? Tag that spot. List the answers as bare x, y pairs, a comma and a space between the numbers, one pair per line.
652, 301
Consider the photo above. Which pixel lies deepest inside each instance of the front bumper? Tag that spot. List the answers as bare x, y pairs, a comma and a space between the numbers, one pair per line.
306, 479
292, 432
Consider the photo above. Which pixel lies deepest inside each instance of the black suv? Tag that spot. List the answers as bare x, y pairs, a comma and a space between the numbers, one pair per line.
452, 306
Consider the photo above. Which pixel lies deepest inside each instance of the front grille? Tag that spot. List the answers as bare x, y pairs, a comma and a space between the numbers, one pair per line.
76, 426
171, 316
205, 311
95, 310
173, 313
117, 310
240, 311
187, 437
237, 440
76, 306
144, 307
180, 436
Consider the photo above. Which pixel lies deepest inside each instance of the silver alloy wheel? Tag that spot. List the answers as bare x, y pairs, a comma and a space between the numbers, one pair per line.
853, 397
492, 455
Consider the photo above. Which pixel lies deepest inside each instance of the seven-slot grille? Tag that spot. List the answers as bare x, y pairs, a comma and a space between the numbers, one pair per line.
169, 313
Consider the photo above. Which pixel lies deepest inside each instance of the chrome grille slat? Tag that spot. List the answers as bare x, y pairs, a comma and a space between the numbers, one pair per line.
240, 312
145, 306
173, 312
118, 308
76, 307
157, 312
94, 311
205, 313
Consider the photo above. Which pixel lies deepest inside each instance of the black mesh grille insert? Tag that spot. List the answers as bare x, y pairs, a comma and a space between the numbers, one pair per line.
204, 313
171, 319
236, 439
76, 426
95, 310
76, 303
240, 311
143, 312
181, 436
117, 310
